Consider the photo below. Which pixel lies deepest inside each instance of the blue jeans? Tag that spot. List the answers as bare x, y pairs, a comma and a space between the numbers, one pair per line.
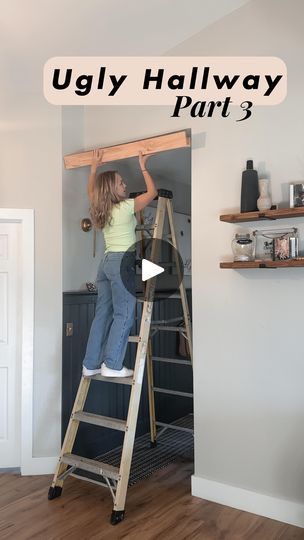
115, 310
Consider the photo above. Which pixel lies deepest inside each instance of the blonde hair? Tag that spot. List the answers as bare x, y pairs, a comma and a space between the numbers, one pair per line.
104, 198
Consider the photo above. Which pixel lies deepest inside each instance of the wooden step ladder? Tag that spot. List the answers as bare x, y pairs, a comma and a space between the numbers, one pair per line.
117, 478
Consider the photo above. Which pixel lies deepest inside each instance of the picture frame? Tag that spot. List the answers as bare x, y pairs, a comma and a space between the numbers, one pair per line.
276, 244
296, 195
281, 248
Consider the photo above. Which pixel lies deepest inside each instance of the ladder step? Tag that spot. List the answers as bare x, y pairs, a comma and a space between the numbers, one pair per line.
172, 426
161, 192
134, 339
169, 328
91, 465
161, 295
145, 227
117, 380
97, 420
173, 392
171, 360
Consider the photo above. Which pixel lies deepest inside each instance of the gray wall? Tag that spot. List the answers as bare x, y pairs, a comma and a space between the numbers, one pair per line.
249, 370
31, 177
79, 265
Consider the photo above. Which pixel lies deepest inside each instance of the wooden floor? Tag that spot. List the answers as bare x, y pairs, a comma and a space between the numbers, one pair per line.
159, 507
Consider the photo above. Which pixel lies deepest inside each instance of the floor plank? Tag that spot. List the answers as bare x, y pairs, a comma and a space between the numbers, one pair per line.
158, 508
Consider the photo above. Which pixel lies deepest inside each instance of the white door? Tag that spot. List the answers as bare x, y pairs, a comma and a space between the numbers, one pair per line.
10, 345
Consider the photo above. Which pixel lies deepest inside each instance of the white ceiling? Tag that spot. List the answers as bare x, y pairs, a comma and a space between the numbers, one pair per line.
34, 30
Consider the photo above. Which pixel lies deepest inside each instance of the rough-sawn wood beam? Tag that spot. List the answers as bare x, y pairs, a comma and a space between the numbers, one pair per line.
170, 141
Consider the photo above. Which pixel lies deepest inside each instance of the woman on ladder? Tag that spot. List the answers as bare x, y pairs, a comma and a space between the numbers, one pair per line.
113, 213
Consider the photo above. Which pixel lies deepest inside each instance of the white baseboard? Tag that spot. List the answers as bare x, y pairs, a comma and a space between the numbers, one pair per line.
249, 501
42, 465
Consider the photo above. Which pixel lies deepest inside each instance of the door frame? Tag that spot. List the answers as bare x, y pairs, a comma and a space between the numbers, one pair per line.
28, 464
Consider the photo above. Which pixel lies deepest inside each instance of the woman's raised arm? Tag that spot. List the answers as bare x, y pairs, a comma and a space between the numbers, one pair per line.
141, 201
96, 162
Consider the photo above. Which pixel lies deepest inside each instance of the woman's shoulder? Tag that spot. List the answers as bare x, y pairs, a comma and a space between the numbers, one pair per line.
128, 201
127, 204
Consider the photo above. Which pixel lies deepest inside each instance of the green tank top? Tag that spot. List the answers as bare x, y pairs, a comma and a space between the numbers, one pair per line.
120, 234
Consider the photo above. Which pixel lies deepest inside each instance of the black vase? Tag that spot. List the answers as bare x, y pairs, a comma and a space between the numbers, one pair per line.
250, 189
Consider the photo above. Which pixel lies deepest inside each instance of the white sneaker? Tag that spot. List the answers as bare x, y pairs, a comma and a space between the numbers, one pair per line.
90, 372
124, 372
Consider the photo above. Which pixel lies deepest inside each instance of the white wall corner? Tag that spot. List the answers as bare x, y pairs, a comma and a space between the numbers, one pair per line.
248, 501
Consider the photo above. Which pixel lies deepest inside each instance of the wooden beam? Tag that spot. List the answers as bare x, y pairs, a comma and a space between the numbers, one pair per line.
170, 141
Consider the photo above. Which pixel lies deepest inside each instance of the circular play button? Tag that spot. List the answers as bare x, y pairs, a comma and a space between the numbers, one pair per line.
158, 266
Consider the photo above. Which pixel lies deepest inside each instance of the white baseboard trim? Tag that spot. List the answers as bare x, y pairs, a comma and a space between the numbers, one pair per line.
249, 501
42, 465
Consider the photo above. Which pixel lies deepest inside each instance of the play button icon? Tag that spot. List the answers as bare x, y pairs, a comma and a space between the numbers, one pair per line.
150, 270
153, 259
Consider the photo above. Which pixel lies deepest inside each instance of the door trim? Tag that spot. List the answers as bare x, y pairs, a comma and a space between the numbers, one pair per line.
29, 464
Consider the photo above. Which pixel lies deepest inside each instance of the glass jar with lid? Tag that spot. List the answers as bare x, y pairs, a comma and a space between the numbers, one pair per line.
242, 247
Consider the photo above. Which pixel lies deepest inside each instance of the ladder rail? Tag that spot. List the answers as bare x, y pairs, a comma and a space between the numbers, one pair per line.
71, 431
150, 377
129, 437
181, 286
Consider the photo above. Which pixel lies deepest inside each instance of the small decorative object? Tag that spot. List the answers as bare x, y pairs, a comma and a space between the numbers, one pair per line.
91, 287
296, 195
281, 248
250, 189
242, 247
294, 247
263, 245
264, 200
276, 244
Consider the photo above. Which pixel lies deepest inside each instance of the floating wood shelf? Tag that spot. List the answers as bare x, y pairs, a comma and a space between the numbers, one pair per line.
280, 213
291, 263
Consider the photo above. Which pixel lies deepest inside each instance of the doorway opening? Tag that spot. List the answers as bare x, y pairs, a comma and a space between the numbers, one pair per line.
171, 170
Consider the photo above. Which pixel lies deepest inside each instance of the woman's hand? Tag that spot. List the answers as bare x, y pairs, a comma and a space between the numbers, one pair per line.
142, 160
96, 159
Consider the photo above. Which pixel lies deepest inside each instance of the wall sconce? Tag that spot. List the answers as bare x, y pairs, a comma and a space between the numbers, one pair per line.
86, 224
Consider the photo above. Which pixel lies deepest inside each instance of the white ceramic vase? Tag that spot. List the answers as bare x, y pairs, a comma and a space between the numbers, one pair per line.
264, 200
